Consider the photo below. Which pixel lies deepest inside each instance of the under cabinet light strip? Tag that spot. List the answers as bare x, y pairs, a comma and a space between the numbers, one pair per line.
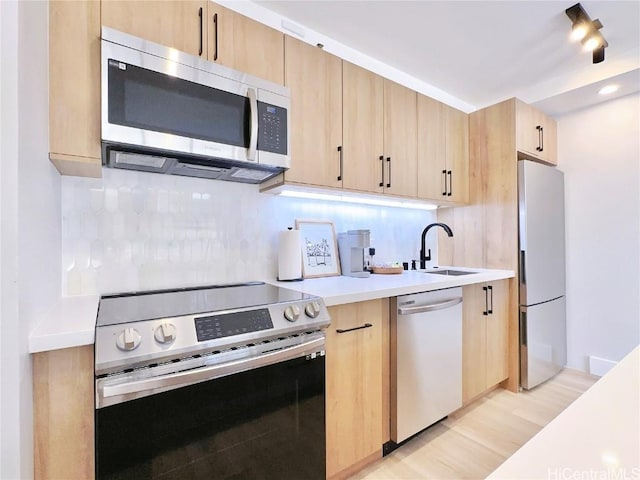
361, 200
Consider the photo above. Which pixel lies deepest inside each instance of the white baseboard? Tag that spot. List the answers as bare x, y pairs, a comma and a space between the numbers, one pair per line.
600, 366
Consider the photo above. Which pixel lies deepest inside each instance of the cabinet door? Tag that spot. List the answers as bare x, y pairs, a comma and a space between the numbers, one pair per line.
354, 403
244, 44
362, 128
400, 140
528, 136
315, 80
74, 87
63, 411
549, 140
498, 333
174, 23
457, 154
443, 152
474, 341
536, 133
431, 149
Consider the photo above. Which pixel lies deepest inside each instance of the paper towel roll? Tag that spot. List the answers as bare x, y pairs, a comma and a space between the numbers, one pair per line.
289, 255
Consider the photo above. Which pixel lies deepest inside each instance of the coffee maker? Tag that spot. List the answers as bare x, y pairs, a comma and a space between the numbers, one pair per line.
352, 246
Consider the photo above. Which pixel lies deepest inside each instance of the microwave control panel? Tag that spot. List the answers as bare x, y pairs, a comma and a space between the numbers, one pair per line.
272, 128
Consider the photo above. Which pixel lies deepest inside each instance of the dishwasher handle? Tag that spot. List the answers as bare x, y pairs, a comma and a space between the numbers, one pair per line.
431, 307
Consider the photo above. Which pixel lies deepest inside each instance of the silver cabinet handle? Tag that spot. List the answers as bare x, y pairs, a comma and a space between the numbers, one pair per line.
431, 307
253, 138
214, 371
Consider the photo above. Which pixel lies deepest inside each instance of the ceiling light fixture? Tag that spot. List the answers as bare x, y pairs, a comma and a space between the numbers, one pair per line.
608, 89
587, 31
579, 31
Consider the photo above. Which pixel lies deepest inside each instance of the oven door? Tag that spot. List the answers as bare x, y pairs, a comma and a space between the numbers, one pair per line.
262, 423
170, 101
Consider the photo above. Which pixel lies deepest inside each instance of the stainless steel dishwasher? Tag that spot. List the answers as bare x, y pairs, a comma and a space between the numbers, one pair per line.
426, 360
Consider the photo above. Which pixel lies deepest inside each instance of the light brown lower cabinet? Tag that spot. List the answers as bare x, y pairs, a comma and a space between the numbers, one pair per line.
357, 385
485, 333
63, 414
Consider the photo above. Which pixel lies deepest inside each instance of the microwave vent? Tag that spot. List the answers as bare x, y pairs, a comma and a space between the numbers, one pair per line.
123, 159
246, 174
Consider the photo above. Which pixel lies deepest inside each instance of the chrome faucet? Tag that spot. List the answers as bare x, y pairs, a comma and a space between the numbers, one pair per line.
424, 258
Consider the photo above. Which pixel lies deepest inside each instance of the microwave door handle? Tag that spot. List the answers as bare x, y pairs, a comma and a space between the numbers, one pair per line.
253, 137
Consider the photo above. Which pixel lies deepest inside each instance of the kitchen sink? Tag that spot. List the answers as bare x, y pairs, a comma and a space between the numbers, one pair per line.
454, 273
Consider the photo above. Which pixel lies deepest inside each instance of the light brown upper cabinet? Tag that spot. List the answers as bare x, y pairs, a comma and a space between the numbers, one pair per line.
74, 87
379, 134
400, 140
177, 24
536, 134
443, 152
362, 129
204, 29
315, 80
241, 43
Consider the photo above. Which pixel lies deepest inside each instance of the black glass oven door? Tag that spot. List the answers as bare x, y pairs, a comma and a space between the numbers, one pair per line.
266, 423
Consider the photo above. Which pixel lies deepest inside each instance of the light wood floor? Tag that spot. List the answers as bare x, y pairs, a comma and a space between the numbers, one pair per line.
475, 440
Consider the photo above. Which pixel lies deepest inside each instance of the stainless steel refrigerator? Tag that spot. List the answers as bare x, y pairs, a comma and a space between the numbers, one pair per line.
543, 331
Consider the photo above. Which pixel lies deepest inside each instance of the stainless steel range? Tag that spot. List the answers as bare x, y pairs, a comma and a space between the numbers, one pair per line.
210, 382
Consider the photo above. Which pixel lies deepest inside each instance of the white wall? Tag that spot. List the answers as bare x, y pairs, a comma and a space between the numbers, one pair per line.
599, 151
31, 222
9, 402
133, 230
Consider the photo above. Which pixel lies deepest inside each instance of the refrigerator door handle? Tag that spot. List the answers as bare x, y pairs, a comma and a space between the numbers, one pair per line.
523, 274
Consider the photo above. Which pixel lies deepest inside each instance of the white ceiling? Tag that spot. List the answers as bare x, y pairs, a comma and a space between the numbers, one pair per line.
480, 52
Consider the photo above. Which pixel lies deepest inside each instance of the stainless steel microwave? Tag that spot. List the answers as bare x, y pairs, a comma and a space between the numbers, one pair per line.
166, 111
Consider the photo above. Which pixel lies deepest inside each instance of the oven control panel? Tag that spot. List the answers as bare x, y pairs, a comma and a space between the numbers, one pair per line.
228, 324
135, 344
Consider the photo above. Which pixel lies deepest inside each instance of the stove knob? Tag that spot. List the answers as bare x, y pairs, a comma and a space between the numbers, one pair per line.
312, 309
128, 340
165, 333
292, 312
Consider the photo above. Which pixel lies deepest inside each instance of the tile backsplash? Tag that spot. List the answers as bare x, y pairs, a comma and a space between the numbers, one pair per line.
138, 231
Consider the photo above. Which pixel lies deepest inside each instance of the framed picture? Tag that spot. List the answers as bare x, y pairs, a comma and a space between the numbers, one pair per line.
319, 248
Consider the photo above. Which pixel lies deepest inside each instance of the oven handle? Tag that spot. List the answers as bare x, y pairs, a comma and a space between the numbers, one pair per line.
214, 371
253, 138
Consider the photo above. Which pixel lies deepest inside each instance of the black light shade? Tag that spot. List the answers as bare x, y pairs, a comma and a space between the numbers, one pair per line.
598, 55
579, 17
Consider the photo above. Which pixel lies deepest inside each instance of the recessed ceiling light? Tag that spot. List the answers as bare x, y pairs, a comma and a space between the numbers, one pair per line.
608, 89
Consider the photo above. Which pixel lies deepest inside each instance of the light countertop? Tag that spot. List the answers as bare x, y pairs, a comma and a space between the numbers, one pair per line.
71, 323
596, 437
339, 290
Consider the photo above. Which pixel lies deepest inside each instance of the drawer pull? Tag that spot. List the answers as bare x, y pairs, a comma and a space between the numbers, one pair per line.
366, 325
